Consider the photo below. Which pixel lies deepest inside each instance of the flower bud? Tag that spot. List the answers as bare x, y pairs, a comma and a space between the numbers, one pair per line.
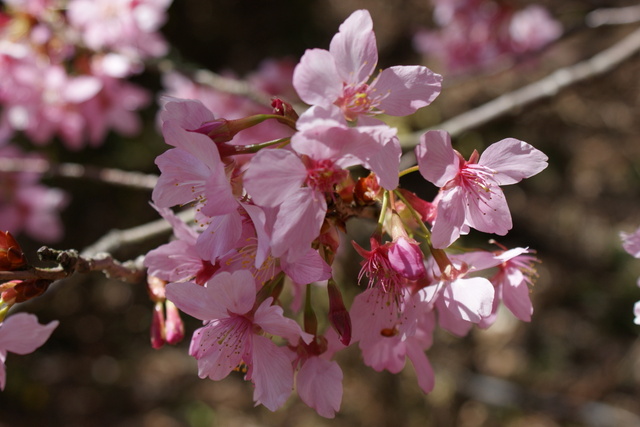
28, 289
11, 256
338, 314
282, 108
157, 326
174, 328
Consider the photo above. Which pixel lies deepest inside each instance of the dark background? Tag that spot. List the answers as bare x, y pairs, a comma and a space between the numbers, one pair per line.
577, 363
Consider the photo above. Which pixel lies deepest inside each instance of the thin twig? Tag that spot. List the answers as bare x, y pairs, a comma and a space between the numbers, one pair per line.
74, 170
544, 88
116, 239
613, 16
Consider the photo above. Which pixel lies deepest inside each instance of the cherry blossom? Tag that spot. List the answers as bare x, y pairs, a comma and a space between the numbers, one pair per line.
233, 334
470, 193
340, 77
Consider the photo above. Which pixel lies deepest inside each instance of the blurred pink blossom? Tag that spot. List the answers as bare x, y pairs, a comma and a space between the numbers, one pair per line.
26, 205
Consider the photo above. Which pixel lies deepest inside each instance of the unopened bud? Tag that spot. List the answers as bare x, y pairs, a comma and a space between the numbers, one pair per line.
28, 289
11, 256
157, 326
282, 108
174, 328
338, 314
223, 130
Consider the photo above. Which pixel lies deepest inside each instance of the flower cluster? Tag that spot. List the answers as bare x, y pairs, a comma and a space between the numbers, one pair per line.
25, 204
473, 34
63, 64
269, 214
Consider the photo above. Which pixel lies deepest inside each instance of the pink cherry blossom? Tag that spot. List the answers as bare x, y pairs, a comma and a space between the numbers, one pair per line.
631, 242
233, 333
470, 193
126, 26
340, 77
393, 326
460, 298
28, 206
21, 334
481, 34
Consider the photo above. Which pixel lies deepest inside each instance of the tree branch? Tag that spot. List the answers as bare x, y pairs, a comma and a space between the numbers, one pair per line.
73, 170
544, 88
613, 16
71, 262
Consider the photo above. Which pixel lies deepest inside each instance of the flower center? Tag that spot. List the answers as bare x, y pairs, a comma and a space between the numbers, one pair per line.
357, 100
323, 175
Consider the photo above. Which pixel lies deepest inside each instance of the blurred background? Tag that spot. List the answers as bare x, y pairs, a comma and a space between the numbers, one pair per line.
577, 363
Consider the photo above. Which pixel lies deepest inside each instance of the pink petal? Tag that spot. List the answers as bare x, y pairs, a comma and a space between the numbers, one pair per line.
354, 48
235, 291
407, 259
298, 223
273, 175
487, 211
271, 319
216, 358
199, 145
385, 163
470, 299
514, 160
185, 113
219, 194
271, 372
307, 269
319, 384
409, 88
220, 237
516, 296
450, 218
195, 300
316, 79
384, 353
178, 167
424, 371
631, 242
437, 161
22, 334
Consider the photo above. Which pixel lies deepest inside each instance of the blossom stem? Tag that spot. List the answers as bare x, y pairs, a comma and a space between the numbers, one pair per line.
254, 148
270, 289
383, 212
310, 319
408, 171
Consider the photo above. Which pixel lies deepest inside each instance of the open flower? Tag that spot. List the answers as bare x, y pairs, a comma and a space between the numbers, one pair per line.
470, 194
340, 77
234, 333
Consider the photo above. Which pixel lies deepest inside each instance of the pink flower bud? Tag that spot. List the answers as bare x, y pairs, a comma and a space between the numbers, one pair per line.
157, 326
174, 328
338, 314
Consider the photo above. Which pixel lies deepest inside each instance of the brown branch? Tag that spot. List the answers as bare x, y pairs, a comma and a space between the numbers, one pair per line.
544, 88
71, 262
74, 170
